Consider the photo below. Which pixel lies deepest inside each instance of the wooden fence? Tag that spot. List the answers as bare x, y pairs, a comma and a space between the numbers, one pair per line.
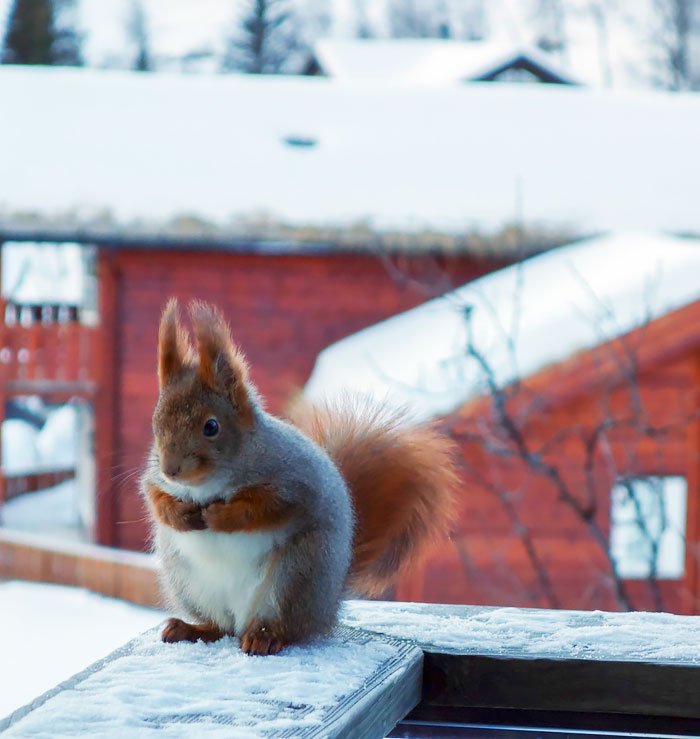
12, 486
46, 350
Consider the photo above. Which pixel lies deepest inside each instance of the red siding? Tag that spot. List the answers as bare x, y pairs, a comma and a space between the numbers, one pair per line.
283, 311
488, 563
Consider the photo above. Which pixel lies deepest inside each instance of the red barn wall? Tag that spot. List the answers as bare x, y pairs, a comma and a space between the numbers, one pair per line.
283, 310
488, 561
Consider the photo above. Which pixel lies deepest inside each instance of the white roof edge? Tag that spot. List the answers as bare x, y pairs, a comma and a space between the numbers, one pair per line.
571, 299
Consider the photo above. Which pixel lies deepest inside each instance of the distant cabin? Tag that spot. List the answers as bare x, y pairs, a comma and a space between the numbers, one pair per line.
433, 61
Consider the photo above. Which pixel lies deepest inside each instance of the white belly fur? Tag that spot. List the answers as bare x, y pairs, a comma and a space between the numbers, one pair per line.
226, 573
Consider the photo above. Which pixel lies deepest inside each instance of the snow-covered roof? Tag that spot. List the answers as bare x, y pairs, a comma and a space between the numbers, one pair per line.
425, 61
135, 151
521, 319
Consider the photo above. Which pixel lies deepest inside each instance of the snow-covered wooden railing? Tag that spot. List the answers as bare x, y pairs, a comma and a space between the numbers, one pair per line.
383, 660
118, 573
14, 484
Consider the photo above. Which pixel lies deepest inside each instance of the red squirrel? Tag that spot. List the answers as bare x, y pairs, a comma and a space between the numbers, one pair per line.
263, 525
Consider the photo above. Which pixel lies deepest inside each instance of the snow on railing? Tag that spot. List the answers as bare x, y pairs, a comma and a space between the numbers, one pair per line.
383, 661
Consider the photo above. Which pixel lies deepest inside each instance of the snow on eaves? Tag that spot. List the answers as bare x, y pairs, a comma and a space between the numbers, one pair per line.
521, 318
423, 61
124, 149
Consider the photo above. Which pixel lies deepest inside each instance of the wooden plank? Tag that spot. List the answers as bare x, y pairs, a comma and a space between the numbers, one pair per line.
52, 388
368, 684
437, 720
106, 401
642, 663
388, 696
636, 688
15, 485
131, 576
692, 530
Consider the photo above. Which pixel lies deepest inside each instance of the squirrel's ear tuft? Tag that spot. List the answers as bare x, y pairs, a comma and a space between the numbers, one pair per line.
173, 344
222, 366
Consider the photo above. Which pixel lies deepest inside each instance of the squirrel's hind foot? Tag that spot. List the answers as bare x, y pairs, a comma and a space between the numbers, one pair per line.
176, 630
260, 639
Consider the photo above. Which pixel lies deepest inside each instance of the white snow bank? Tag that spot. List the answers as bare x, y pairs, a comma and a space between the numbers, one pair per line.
58, 440
209, 689
152, 147
26, 450
422, 61
536, 633
552, 306
19, 447
53, 510
51, 632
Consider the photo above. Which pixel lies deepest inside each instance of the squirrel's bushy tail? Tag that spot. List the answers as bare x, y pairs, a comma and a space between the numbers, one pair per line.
402, 481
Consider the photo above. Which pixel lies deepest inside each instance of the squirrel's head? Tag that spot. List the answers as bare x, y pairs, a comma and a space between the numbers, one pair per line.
204, 404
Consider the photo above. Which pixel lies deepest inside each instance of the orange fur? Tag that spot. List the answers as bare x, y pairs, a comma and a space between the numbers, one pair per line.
402, 482
177, 514
260, 638
176, 630
256, 508
173, 345
221, 363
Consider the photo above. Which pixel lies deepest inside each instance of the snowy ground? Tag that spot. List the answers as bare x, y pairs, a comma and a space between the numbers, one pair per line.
59, 510
52, 511
51, 632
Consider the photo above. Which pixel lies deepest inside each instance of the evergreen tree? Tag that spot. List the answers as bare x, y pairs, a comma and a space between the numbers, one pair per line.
137, 30
29, 37
68, 41
264, 40
40, 32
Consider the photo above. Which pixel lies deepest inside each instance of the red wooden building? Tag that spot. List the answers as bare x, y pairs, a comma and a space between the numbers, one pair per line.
579, 425
543, 457
538, 531
284, 305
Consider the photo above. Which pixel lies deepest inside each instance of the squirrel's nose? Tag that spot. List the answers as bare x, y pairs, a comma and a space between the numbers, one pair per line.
171, 469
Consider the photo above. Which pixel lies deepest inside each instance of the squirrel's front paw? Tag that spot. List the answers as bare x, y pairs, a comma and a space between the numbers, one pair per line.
261, 639
184, 516
178, 514
220, 516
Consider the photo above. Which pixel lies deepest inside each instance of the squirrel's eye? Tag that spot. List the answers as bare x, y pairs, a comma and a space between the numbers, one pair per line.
211, 428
